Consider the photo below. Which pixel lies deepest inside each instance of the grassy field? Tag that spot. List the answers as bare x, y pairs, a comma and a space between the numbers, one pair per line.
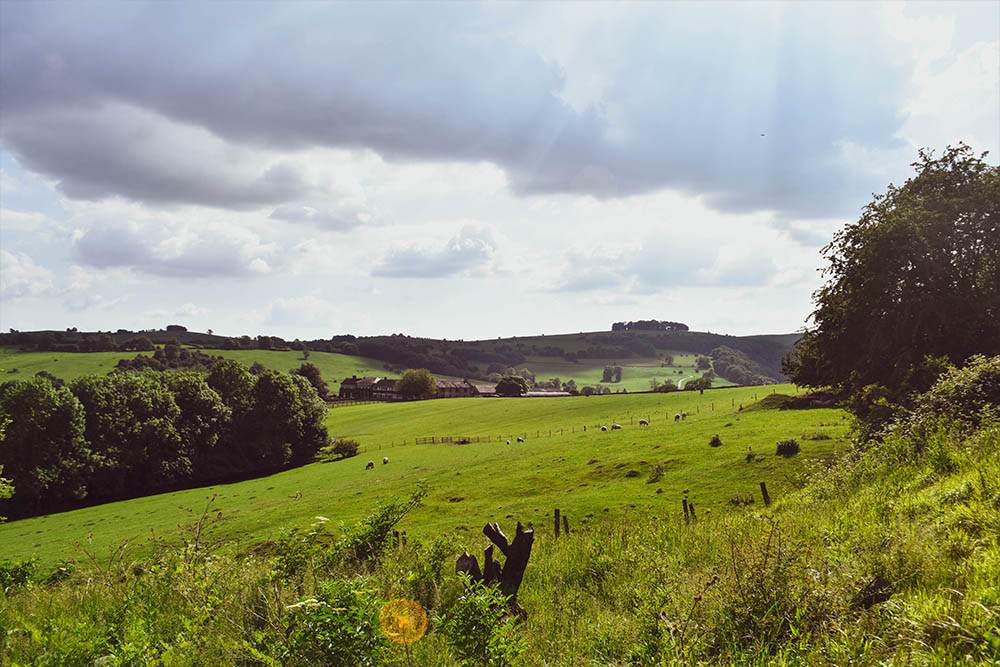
69, 365
589, 474
636, 372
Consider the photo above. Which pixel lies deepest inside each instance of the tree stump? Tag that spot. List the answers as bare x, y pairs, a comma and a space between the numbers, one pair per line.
507, 576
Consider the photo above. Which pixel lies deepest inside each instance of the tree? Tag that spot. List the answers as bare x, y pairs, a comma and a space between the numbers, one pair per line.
913, 283
700, 384
416, 383
702, 363
512, 385
311, 373
44, 452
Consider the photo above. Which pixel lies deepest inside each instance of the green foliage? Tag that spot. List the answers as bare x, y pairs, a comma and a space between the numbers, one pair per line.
479, 629
698, 384
788, 447
16, 573
416, 383
916, 278
702, 363
44, 451
338, 626
513, 385
736, 366
312, 373
970, 394
341, 448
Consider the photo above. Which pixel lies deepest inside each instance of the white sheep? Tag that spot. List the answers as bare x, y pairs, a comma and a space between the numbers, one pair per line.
371, 464
643, 422
684, 415
508, 441
385, 459
604, 428
677, 417
616, 427
520, 439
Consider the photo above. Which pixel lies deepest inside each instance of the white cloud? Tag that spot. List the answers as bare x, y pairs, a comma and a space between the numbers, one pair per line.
471, 251
20, 276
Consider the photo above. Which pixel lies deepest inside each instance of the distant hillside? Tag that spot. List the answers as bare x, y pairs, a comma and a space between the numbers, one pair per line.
457, 358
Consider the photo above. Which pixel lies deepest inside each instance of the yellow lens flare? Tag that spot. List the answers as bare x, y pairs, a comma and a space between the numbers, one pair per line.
403, 621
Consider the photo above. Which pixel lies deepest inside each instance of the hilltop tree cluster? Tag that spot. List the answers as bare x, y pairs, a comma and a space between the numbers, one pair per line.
649, 325
102, 438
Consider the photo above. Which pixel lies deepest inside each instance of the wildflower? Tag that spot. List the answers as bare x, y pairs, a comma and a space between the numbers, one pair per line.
309, 602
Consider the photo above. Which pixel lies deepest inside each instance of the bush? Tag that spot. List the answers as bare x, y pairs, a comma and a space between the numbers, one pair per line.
339, 626
716, 441
479, 629
788, 447
339, 449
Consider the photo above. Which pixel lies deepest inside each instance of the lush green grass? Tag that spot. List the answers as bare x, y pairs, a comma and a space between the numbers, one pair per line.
470, 484
69, 365
636, 372
751, 586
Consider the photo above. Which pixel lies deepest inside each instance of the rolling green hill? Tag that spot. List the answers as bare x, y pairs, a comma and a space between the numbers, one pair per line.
589, 474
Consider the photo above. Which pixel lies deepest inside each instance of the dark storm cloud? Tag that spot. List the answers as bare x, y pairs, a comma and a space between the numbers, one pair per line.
691, 90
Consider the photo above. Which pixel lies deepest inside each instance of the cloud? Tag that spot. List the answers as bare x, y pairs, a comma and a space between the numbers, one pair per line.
662, 262
116, 149
339, 216
173, 250
472, 249
671, 95
21, 277
306, 311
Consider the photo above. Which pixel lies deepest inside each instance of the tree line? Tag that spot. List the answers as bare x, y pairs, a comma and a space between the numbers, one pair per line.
102, 438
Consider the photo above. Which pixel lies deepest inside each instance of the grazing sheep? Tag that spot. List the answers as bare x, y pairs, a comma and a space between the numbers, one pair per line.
604, 428
508, 441
520, 439
643, 422
684, 415
616, 427
677, 418
371, 464
385, 459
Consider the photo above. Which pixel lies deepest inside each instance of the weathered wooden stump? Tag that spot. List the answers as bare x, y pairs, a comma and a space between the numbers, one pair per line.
507, 576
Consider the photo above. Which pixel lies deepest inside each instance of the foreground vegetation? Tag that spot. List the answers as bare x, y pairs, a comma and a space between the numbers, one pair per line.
890, 554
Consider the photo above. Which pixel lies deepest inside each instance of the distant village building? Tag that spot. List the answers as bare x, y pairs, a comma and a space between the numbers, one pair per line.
455, 389
384, 389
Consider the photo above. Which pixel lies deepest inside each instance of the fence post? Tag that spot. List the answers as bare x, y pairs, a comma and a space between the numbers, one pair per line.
767, 498
687, 517
694, 517
557, 521
566, 523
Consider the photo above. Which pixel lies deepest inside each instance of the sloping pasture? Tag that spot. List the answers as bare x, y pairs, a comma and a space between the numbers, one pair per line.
587, 474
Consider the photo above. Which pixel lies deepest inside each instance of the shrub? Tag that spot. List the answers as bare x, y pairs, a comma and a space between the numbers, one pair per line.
341, 448
479, 629
788, 447
339, 626
716, 441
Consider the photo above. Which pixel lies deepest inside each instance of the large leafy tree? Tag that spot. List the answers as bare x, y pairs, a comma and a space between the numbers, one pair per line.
914, 282
43, 451
416, 383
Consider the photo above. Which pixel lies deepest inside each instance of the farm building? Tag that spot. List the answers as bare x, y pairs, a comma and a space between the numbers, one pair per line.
455, 389
384, 389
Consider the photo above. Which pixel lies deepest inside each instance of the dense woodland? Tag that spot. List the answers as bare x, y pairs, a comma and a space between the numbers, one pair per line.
101, 438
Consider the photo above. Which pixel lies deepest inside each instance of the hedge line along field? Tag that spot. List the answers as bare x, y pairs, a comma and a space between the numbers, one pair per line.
69, 365
588, 474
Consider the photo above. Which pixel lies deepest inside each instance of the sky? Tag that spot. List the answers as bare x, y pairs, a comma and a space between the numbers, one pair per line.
461, 170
